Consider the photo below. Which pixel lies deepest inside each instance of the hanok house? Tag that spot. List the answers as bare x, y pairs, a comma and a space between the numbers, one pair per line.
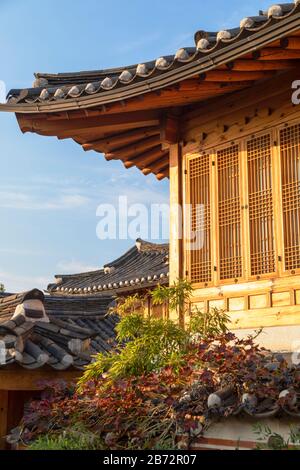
217, 119
54, 336
138, 271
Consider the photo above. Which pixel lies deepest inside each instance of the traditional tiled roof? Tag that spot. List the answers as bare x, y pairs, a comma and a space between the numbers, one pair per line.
133, 114
143, 266
211, 49
38, 330
69, 326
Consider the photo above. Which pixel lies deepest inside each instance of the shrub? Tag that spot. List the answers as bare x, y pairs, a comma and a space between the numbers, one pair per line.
176, 296
274, 441
212, 323
150, 344
164, 409
76, 438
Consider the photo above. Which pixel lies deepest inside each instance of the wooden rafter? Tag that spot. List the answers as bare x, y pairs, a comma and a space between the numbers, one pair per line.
112, 142
208, 112
244, 65
234, 76
129, 151
276, 54
161, 176
141, 160
157, 167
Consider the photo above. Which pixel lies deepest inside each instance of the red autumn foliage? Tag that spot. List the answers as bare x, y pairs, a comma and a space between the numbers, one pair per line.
169, 408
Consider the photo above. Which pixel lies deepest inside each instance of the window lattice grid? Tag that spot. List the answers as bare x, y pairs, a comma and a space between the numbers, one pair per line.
261, 213
229, 213
290, 180
199, 177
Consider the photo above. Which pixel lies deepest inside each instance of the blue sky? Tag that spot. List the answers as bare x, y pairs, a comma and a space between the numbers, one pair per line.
50, 189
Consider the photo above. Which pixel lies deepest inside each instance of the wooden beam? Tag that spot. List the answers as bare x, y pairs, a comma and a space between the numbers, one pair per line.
146, 112
67, 128
265, 317
233, 76
3, 417
129, 151
244, 65
23, 379
82, 136
115, 140
276, 54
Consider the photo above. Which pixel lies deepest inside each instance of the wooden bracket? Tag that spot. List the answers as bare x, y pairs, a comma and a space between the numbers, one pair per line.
169, 130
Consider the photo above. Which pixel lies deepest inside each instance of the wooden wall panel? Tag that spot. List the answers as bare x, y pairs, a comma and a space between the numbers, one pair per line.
236, 304
281, 299
258, 301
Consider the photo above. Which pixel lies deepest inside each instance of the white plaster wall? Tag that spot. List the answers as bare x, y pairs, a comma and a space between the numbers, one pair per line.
277, 338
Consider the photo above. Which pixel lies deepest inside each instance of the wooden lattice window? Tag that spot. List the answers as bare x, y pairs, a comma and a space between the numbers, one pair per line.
229, 213
199, 182
290, 179
261, 216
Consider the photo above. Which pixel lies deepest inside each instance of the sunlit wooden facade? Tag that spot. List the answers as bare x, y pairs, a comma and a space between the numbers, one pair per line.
247, 177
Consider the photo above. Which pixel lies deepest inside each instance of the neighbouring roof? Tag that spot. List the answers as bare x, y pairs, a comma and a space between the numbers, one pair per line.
69, 326
38, 330
142, 267
211, 49
134, 113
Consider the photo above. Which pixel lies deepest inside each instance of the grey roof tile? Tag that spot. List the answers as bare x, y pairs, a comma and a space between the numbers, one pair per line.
61, 342
144, 265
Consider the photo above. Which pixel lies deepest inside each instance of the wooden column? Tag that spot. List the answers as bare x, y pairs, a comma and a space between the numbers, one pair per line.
176, 221
3, 417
